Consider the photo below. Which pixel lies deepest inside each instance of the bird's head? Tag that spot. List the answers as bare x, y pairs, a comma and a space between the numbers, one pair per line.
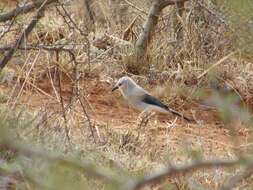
122, 83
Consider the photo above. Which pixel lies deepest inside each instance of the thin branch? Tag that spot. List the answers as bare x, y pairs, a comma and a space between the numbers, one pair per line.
24, 35
56, 48
129, 30
62, 101
80, 98
135, 7
7, 29
23, 9
216, 64
67, 15
73, 26
173, 170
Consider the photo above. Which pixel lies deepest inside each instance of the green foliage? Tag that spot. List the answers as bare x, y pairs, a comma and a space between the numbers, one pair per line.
240, 18
229, 108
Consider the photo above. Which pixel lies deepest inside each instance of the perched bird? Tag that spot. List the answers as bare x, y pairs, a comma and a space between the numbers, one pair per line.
140, 99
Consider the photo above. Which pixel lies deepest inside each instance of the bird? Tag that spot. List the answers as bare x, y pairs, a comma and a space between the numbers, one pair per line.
141, 100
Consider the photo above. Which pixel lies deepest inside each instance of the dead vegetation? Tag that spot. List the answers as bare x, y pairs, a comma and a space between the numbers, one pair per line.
62, 128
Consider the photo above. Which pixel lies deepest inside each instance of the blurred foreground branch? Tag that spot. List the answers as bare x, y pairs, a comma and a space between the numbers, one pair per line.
88, 168
109, 176
173, 170
238, 178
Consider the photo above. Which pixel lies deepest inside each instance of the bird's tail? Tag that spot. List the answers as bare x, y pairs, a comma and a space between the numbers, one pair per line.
180, 115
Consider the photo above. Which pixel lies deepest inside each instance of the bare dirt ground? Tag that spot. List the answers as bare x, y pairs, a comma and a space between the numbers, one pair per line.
110, 109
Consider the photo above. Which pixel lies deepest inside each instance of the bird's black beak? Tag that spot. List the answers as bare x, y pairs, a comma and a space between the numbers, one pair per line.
115, 88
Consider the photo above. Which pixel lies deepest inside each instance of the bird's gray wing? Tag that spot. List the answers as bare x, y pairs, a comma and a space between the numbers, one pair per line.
148, 99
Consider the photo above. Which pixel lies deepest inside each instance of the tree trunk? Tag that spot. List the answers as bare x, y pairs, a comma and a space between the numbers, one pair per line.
89, 15
150, 24
178, 28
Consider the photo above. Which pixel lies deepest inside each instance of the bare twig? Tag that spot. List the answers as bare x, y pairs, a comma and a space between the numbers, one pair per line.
216, 64
78, 95
129, 30
24, 35
173, 170
135, 7
86, 114
25, 80
73, 26
7, 29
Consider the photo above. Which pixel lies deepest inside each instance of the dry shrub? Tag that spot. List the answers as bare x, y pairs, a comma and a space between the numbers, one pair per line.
131, 65
238, 15
172, 66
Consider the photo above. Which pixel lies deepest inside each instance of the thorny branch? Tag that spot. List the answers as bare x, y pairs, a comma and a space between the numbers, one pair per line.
73, 26
68, 20
80, 97
66, 16
24, 35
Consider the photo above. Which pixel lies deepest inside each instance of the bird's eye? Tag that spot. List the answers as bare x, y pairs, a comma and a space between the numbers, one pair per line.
120, 83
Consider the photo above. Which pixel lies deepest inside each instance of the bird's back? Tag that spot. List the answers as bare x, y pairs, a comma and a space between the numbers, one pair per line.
134, 95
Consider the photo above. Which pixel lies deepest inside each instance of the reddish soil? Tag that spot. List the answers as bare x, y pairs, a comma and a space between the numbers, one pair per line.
110, 108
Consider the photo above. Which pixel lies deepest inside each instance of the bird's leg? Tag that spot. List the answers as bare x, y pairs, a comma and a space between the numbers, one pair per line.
143, 118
